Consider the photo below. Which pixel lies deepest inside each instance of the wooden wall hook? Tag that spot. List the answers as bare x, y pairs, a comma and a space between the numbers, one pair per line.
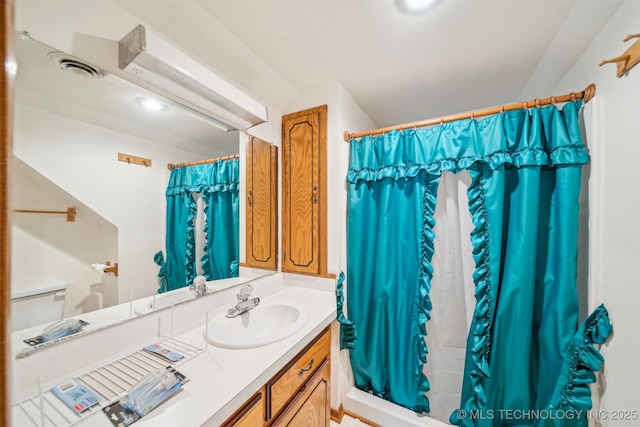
630, 36
628, 60
136, 160
112, 268
623, 58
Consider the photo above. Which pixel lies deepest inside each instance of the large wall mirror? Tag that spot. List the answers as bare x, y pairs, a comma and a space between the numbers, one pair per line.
90, 156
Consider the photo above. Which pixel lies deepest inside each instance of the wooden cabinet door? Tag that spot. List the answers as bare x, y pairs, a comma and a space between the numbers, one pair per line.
311, 408
262, 204
304, 244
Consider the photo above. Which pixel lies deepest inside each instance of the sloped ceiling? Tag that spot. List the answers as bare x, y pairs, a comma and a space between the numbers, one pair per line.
464, 54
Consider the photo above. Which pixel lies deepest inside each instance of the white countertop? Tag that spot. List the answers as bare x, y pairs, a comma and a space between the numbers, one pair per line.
221, 380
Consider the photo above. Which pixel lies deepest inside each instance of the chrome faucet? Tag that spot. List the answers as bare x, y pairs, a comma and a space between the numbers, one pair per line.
244, 302
199, 286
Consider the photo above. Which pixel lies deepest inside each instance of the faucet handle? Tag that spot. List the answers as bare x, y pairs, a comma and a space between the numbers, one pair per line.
245, 291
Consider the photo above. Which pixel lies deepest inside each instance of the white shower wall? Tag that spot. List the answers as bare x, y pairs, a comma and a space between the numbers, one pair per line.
613, 132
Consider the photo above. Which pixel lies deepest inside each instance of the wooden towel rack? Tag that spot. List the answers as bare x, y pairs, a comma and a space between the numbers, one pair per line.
70, 213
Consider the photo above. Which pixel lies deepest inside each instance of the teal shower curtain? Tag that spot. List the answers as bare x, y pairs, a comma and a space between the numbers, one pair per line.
389, 249
218, 183
525, 349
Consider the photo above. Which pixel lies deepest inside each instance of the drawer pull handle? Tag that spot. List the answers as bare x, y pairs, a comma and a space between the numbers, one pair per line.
303, 370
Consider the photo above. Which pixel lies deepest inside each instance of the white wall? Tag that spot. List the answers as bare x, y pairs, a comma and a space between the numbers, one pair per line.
613, 129
49, 249
82, 159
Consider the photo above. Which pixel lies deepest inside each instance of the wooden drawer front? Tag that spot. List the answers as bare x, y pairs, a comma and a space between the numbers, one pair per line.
251, 414
311, 407
285, 386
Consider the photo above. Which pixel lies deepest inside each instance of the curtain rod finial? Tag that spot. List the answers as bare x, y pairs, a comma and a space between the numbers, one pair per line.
346, 136
589, 93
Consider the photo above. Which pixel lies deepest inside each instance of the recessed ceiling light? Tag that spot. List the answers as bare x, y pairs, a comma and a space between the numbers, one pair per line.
151, 104
416, 6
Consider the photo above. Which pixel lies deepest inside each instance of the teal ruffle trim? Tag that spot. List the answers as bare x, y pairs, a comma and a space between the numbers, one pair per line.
424, 286
189, 255
202, 188
348, 332
158, 258
572, 154
207, 268
583, 359
483, 314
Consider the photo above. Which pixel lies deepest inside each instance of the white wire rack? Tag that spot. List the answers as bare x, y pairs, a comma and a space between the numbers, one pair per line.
108, 382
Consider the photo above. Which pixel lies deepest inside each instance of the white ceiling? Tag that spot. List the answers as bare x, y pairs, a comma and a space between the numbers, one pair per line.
464, 54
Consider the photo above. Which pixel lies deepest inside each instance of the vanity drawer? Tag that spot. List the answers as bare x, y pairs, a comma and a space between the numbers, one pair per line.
312, 405
285, 385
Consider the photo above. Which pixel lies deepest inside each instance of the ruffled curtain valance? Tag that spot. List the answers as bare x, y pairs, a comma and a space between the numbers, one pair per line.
546, 136
208, 177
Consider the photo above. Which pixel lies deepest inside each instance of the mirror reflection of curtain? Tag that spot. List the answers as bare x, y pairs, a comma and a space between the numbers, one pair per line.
222, 223
525, 350
218, 183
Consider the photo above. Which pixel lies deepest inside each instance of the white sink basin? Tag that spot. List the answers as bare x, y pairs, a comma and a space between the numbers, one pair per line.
269, 322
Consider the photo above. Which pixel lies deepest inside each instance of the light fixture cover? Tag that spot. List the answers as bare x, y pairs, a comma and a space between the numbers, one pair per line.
413, 7
155, 64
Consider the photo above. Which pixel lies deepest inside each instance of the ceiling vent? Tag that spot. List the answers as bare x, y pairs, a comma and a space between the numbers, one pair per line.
74, 65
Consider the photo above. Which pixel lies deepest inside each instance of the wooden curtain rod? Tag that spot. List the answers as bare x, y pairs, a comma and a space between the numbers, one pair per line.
585, 95
70, 212
202, 162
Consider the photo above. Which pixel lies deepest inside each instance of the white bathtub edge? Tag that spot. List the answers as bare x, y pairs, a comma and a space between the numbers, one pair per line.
385, 413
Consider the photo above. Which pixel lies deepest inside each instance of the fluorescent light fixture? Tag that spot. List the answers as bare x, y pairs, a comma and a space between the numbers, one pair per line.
156, 65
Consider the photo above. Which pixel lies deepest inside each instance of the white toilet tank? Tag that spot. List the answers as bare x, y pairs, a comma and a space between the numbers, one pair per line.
37, 305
